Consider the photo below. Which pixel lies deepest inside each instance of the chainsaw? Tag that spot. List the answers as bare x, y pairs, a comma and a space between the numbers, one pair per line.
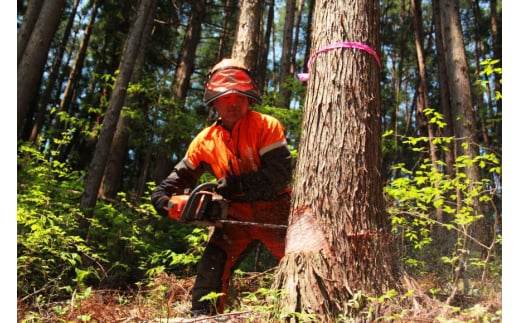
203, 206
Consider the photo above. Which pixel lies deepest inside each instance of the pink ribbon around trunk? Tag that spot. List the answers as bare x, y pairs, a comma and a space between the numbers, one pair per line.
305, 76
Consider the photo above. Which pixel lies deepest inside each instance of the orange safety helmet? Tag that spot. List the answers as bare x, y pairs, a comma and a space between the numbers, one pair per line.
230, 76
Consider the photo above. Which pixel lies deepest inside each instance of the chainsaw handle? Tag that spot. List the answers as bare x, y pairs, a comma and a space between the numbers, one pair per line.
194, 202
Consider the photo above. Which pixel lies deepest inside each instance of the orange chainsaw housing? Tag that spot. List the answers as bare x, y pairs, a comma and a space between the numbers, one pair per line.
176, 206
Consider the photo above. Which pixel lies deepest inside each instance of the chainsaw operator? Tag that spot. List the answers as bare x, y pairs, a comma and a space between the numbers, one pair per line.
247, 153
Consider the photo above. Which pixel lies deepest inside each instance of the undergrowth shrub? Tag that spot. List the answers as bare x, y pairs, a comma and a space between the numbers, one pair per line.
126, 241
434, 220
123, 244
50, 251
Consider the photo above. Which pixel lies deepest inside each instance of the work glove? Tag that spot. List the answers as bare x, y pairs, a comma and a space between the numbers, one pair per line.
229, 187
161, 206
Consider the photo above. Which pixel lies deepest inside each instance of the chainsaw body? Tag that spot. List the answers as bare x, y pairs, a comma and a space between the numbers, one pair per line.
202, 205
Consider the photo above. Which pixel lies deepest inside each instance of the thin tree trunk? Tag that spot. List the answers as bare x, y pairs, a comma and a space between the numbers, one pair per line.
484, 111
53, 76
246, 46
187, 60
99, 160
30, 18
75, 71
444, 91
284, 100
32, 61
481, 108
497, 54
227, 31
113, 176
84, 145
261, 75
461, 101
294, 51
164, 164
423, 102
310, 15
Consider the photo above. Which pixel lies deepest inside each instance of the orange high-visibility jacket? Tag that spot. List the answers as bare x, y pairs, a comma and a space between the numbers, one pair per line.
239, 151
255, 149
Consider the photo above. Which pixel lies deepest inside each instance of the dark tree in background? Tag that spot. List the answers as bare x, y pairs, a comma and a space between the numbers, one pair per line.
32, 54
99, 160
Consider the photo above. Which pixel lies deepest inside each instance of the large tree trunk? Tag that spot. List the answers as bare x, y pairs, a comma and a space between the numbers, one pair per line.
338, 241
99, 160
32, 60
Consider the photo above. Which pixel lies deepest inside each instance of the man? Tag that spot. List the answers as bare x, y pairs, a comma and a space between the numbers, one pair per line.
247, 152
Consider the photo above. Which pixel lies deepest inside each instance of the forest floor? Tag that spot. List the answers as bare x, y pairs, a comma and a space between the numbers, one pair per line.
168, 299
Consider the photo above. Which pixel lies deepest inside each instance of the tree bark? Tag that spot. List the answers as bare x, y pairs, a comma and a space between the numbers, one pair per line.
53, 76
228, 25
496, 41
99, 160
77, 66
285, 60
30, 18
444, 91
261, 74
246, 46
423, 102
32, 61
164, 164
461, 101
294, 50
337, 202
113, 176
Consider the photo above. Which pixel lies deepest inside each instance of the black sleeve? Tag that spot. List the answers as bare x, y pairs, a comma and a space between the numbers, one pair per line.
274, 175
181, 178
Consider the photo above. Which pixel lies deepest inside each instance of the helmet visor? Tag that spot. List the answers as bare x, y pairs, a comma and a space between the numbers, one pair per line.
230, 80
